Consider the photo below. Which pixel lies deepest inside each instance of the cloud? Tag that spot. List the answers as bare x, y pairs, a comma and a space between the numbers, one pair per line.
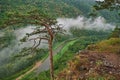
1, 34
98, 23
20, 33
16, 46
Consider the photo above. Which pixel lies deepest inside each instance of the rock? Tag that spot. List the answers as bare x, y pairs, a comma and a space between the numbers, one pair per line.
110, 72
82, 68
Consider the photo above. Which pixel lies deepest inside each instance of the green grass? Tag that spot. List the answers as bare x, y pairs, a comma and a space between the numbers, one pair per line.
45, 75
18, 74
27, 69
30, 75
60, 60
111, 45
65, 48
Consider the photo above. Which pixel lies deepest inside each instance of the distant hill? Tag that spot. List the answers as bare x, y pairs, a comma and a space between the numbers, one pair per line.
56, 8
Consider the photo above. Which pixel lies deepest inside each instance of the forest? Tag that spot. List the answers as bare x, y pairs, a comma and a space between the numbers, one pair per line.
59, 39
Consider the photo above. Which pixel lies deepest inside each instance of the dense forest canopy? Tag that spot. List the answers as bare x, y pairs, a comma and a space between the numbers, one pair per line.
108, 4
56, 8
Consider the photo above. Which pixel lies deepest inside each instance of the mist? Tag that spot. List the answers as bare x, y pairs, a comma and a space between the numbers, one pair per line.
16, 46
1, 34
81, 22
20, 33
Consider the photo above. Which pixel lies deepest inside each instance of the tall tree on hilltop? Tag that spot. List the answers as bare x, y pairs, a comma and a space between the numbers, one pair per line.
48, 28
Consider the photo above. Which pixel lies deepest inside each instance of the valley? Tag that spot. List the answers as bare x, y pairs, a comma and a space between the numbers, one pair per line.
59, 40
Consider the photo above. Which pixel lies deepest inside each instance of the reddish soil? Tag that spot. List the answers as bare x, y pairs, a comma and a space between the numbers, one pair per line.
90, 64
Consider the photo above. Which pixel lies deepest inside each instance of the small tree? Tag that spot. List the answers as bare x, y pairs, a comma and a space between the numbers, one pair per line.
115, 33
111, 5
107, 4
48, 27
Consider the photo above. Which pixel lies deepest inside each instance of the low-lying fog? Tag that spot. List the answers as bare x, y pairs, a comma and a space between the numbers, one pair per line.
81, 22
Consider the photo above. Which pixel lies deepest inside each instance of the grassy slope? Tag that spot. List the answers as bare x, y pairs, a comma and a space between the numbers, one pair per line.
61, 60
30, 67
45, 75
101, 62
112, 45
29, 62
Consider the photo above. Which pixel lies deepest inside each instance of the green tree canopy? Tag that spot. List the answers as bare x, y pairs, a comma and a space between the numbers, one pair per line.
35, 17
116, 33
108, 4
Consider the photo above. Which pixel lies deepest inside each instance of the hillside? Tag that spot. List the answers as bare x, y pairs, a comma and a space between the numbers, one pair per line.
55, 8
62, 58
58, 39
99, 62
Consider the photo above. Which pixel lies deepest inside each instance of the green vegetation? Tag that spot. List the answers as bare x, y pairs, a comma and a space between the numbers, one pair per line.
18, 74
19, 63
54, 8
115, 33
68, 51
45, 75
24, 59
6, 39
63, 57
65, 48
108, 4
112, 45
90, 64
77, 32
19, 13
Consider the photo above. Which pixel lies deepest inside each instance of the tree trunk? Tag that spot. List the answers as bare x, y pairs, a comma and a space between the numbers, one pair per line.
51, 60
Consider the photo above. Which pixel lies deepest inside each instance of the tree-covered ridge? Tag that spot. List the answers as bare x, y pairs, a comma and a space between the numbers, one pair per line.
53, 7
109, 5
56, 8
